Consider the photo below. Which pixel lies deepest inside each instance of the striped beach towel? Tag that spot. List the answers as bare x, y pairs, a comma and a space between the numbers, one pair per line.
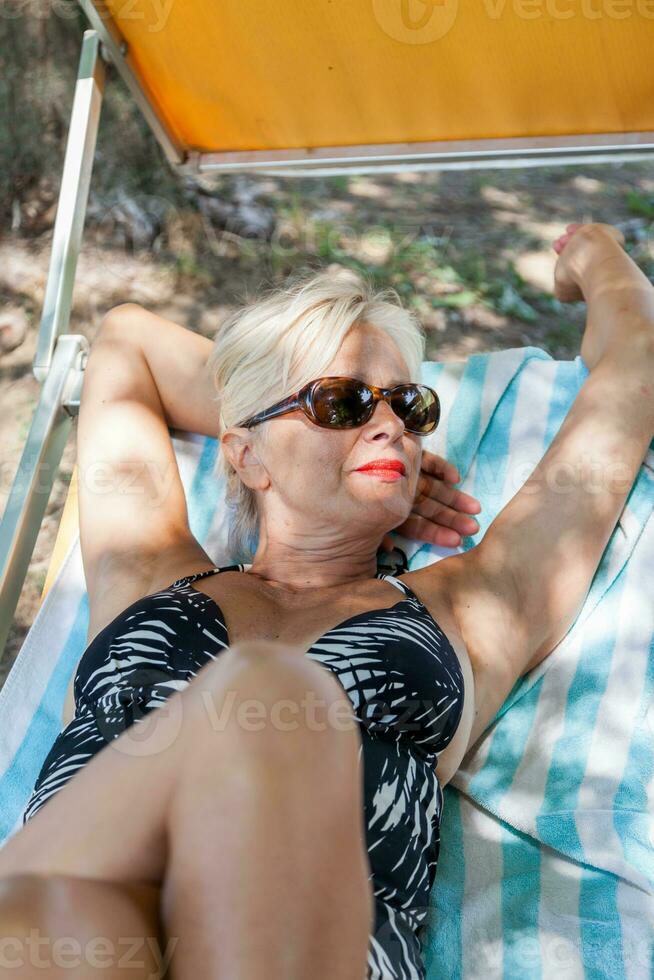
546, 866
547, 862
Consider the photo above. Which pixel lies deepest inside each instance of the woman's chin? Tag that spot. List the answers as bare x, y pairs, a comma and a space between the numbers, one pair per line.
386, 509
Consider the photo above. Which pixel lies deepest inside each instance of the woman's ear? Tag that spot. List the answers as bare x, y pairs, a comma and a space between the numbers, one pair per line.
238, 445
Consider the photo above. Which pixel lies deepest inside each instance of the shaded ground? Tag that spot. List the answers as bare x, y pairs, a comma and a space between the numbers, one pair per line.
469, 252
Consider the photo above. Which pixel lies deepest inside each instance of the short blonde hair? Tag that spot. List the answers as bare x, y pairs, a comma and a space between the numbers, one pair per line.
275, 344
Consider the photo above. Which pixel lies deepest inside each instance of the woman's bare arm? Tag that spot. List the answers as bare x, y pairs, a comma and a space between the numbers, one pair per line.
178, 361
132, 506
519, 591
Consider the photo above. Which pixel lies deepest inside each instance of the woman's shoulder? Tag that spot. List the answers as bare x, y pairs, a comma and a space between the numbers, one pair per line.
433, 586
128, 578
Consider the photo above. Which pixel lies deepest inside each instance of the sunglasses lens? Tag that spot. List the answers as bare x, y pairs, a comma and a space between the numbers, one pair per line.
342, 404
418, 406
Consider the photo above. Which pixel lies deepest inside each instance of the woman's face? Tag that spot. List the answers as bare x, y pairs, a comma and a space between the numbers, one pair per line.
307, 475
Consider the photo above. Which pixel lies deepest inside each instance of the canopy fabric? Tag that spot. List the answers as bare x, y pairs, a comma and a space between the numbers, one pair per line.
253, 75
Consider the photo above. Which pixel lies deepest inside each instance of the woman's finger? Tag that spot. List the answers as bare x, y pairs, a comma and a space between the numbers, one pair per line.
436, 480
437, 513
387, 543
419, 529
438, 466
432, 489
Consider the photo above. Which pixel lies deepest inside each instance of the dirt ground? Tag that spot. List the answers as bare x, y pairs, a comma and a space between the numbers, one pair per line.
469, 252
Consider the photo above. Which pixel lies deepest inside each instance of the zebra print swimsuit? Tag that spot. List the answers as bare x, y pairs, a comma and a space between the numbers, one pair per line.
405, 683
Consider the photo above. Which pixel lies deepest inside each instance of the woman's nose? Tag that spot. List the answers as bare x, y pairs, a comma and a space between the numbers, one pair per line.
384, 413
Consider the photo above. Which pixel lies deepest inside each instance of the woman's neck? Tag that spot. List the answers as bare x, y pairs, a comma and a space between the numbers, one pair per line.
297, 574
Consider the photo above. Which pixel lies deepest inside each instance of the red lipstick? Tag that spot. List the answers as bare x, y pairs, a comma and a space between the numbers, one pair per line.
385, 465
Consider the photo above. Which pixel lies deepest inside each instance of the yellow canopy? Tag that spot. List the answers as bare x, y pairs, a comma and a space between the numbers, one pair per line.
255, 75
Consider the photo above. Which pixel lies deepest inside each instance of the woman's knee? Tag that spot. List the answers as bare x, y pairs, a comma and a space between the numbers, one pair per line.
275, 700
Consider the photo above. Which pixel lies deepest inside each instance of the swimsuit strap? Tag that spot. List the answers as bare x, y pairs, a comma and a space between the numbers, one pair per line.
211, 571
244, 566
402, 586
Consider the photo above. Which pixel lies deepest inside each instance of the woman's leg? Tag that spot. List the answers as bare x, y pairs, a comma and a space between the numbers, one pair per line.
68, 928
276, 884
183, 807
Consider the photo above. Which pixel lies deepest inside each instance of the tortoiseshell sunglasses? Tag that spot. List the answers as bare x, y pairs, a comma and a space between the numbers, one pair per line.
346, 403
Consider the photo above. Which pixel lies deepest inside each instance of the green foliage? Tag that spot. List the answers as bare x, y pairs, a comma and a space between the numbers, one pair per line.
638, 203
465, 298
512, 296
340, 184
563, 340
512, 303
563, 336
473, 269
33, 100
188, 267
38, 68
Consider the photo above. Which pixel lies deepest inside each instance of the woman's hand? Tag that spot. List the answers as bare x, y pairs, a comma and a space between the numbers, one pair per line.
593, 266
439, 510
578, 248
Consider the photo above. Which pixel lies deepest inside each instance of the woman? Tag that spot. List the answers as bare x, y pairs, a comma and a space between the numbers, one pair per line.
227, 830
